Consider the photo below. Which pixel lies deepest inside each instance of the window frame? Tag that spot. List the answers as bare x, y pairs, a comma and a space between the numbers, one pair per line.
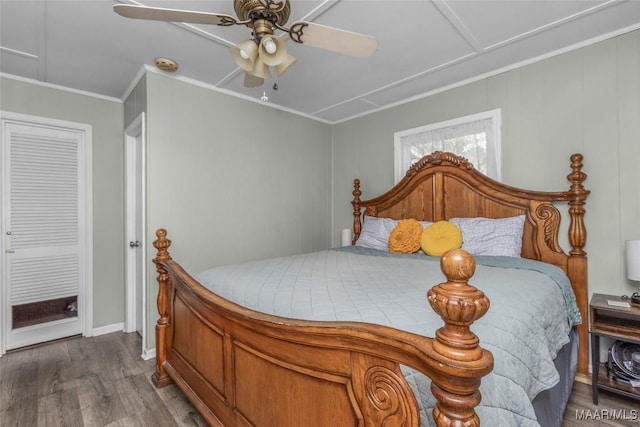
400, 167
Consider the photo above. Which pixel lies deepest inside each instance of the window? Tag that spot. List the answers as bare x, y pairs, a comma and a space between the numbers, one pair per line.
475, 137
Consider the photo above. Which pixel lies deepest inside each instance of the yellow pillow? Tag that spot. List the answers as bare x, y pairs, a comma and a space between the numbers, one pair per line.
440, 237
405, 237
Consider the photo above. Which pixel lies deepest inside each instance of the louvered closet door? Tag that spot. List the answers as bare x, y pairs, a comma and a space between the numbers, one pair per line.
44, 253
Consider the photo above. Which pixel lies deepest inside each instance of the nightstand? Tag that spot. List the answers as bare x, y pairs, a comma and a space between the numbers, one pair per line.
619, 323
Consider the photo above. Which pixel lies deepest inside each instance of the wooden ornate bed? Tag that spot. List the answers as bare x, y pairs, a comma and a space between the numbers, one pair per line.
242, 367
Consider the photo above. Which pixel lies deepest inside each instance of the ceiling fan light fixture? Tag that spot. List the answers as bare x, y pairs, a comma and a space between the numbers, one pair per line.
252, 81
260, 69
286, 64
269, 45
272, 50
245, 54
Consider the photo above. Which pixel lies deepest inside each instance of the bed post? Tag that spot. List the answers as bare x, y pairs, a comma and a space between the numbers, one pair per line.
357, 224
459, 304
577, 262
160, 377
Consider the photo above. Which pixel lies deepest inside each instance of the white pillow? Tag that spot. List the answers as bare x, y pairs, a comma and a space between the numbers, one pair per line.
487, 236
375, 232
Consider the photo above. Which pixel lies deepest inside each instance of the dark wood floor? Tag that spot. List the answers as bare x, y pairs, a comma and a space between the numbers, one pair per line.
99, 381
102, 381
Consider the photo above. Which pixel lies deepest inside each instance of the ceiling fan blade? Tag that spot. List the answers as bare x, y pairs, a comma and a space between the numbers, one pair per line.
333, 39
252, 81
173, 15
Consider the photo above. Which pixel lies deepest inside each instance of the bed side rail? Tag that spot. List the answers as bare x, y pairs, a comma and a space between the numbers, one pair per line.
346, 358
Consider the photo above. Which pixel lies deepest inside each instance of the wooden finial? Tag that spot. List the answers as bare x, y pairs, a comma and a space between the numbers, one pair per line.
459, 305
576, 177
357, 224
162, 244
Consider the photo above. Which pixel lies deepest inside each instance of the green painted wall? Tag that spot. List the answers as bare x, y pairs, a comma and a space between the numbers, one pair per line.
106, 118
586, 101
232, 180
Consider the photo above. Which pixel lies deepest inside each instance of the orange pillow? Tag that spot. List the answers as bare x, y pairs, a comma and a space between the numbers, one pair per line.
405, 237
440, 237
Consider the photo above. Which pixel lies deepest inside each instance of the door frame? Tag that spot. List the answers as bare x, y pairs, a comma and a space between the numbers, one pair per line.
135, 163
85, 295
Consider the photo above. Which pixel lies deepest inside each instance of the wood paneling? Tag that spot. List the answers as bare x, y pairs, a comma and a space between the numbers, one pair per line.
190, 328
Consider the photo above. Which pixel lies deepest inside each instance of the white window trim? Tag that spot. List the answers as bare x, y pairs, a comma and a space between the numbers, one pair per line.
495, 115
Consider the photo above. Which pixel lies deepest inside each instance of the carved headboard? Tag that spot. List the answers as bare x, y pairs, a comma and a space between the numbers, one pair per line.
444, 185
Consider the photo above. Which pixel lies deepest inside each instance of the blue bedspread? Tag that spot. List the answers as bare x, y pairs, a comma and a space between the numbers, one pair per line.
532, 311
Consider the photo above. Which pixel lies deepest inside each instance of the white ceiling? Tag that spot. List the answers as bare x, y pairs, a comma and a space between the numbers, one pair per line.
424, 46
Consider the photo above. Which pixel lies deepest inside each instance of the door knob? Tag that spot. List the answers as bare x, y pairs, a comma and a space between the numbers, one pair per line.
134, 244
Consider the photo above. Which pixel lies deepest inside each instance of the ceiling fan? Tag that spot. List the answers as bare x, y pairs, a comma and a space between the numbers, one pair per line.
264, 48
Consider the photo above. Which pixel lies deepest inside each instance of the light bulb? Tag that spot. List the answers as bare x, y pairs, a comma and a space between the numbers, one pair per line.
269, 45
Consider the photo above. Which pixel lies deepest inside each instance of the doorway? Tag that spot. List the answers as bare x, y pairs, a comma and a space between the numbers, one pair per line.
47, 242
135, 265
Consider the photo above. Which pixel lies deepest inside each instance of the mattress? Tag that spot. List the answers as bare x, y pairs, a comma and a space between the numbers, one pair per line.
532, 312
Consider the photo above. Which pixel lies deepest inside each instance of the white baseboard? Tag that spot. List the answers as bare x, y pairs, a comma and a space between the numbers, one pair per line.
102, 330
148, 353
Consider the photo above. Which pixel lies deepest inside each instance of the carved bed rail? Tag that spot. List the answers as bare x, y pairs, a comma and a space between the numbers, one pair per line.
240, 367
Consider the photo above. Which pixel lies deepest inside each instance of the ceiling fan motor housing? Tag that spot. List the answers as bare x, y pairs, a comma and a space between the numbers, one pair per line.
277, 11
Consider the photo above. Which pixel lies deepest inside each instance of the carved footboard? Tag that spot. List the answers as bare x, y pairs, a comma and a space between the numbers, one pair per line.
240, 367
